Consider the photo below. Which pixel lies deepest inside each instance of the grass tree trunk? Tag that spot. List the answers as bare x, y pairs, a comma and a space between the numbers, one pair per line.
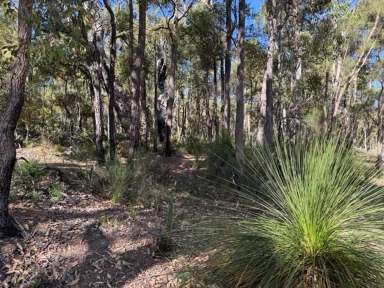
239, 129
265, 125
111, 84
10, 109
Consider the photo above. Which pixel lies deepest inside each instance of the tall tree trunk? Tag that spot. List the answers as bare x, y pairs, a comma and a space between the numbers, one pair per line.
111, 84
136, 78
223, 99
239, 129
215, 96
265, 126
97, 107
171, 90
155, 101
10, 109
343, 86
228, 47
208, 117
297, 67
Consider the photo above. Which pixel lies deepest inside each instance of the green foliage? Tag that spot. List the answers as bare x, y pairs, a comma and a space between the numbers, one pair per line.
29, 171
221, 159
12, 197
55, 192
117, 174
165, 243
35, 195
140, 181
316, 221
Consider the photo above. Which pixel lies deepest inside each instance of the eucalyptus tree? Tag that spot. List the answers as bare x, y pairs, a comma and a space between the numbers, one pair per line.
10, 107
178, 11
239, 127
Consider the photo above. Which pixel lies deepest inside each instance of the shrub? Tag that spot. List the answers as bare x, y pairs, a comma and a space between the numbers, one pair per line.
118, 174
55, 193
35, 196
165, 243
315, 221
29, 170
221, 159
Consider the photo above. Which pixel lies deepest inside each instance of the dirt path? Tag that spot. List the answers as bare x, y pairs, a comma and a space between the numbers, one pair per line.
85, 241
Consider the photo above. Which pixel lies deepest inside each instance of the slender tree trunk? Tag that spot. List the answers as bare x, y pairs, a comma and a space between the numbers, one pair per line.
228, 47
223, 99
239, 131
265, 126
297, 66
10, 109
207, 106
111, 84
343, 86
155, 102
97, 106
215, 96
136, 78
171, 89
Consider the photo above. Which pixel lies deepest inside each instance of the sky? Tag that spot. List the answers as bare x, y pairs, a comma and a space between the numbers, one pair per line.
255, 4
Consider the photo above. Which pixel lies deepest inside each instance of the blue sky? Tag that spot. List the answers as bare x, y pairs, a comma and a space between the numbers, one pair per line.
255, 4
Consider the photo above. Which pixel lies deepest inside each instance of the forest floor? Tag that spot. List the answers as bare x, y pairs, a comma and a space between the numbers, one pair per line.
81, 239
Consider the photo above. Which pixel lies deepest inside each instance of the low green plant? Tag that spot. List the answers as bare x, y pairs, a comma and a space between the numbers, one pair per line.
57, 148
118, 174
29, 169
12, 197
110, 222
315, 221
35, 195
221, 159
55, 192
165, 242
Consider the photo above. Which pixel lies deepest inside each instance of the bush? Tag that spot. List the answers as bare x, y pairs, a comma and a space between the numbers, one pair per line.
315, 221
29, 170
221, 159
55, 193
139, 181
118, 174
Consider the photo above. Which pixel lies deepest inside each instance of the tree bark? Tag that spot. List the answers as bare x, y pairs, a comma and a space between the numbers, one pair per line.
265, 126
10, 113
228, 47
97, 106
223, 100
135, 78
239, 129
208, 117
111, 84
215, 96
171, 90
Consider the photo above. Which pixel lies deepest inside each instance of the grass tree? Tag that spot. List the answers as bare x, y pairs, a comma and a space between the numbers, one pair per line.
314, 220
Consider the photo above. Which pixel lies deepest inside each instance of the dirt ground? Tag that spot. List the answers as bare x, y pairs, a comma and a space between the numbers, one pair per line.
85, 240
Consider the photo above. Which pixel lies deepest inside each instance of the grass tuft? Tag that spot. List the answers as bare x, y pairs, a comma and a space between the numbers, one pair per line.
316, 220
